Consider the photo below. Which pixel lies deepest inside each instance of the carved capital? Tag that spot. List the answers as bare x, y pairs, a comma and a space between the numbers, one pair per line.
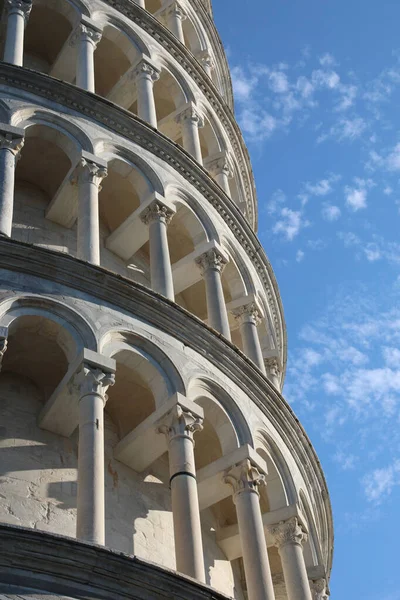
219, 166
157, 211
244, 477
191, 115
206, 60
3, 348
23, 6
176, 11
247, 312
212, 259
180, 422
90, 172
272, 367
94, 381
287, 532
8, 141
318, 589
86, 33
145, 69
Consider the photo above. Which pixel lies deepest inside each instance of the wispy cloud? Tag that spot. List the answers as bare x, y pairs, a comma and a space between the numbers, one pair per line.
289, 224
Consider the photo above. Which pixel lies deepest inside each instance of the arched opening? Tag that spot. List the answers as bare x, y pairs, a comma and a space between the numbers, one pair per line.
114, 55
38, 468
312, 554
46, 161
191, 36
153, 5
41, 51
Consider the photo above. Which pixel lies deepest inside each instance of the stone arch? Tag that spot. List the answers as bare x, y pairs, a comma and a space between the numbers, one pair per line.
281, 490
193, 33
171, 92
212, 140
225, 416
58, 19
44, 338
78, 329
120, 47
154, 373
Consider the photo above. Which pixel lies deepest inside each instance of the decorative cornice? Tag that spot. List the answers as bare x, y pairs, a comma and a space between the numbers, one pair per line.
131, 127
64, 270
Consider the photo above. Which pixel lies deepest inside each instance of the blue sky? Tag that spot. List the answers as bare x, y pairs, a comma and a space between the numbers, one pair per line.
317, 88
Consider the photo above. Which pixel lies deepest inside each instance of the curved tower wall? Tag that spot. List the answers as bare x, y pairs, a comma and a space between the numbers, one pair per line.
142, 337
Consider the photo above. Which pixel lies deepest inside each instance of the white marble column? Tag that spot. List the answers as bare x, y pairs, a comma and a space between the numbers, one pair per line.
318, 589
145, 75
11, 143
248, 317
88, 36
175, 15
273, 371
179, 426
190, 121
206, 62
289, 538
220, 169
89, 176
92, 386
3, 346
17, 16
211, 264
245, 479
158, 216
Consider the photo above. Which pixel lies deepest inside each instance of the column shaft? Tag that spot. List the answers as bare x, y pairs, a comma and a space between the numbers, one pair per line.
145, 77
251, 342
11, 142
245, 479
216, 308
179, 426
289, 537
175, 16
160, 262
90, 175
18, 12
222, 179
157, 216
191, 140
89, 37
92, 383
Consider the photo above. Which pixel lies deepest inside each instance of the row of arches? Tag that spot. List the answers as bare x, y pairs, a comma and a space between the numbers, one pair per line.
44, 214
137, 504
118, 50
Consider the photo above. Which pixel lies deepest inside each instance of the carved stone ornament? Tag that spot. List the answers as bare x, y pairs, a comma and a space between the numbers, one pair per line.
288, 532
84, 32
246, 313
24, 6
206, 61
212, 259
272, 367
244, 477
218, 166
145, 69
90, 172
175, 10
318, 589
157, 212
94, 381
180, 423
3, 348
190, 114
12, 143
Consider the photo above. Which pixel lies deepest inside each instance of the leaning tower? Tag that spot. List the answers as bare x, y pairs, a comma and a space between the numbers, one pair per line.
146, 450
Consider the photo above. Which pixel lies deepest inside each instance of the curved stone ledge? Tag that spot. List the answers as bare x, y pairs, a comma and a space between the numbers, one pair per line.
131, 127
61, 566
167, 316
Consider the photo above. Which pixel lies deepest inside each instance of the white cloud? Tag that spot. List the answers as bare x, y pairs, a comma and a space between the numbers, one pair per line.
290, 223
393, 159
327, 60
258, 126
243, 85
391, 356
275, 203
299, 255
348, 94
278, 82
380, 482
356, 198
331, 212
372, 252
346, 129
322, 187
346, 461
327, 79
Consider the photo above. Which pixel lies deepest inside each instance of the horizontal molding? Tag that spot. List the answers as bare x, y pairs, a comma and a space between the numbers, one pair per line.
70, 568
131, 127
169, 317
